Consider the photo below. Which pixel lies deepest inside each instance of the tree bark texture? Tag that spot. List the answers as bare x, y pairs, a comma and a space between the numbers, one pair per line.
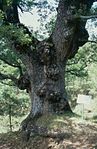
46, 85
45, 65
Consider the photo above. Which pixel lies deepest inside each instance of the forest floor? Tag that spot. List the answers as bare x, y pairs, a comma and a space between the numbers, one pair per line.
80, 134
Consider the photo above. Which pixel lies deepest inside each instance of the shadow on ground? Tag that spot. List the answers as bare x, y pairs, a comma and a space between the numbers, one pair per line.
82, 135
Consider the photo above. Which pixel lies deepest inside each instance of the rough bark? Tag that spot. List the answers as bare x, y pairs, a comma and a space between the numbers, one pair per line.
45, 65
70, 32
46, 79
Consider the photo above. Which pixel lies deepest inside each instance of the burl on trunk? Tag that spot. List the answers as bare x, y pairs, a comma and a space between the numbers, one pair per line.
47, 82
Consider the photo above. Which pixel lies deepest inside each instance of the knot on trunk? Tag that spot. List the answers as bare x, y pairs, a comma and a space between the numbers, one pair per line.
52, 72
46, 53
53, 96
60, 106
21, 47
41, 91
24, 82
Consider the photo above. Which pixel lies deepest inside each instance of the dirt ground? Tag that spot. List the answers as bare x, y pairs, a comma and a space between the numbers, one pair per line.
81, 135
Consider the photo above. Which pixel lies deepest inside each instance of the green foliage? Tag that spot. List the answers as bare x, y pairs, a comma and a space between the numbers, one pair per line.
94, 9
4, 123
50, 25
85, 56
1, 15
15, 33
25, 5
12, 98
81, 77
6, 69
9, 96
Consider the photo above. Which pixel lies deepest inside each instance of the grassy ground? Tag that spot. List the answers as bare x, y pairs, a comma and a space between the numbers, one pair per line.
82, 134
5, 124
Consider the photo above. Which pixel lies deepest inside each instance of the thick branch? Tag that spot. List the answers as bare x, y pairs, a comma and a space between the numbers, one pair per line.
17, 34
13, 65
67, 32
7, 83
80, 17
92, 41
87, 17
22, 82
5, 77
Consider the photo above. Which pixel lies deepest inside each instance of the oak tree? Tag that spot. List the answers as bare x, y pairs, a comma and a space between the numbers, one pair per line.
44, 61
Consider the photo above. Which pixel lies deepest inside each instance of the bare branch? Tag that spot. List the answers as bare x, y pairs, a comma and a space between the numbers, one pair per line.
6, 83
75, 72
83, 18
24, 10
74, 62
92, 41
87, 17
5, 61
20, 8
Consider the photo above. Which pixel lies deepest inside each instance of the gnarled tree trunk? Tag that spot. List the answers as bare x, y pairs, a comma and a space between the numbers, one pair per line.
47, 90
45, 63
46, 85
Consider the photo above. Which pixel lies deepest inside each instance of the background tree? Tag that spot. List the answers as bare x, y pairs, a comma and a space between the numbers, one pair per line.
44, 62
81, 72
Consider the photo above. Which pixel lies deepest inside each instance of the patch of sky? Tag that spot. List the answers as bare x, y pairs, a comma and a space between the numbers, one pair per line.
91, 26
35, 22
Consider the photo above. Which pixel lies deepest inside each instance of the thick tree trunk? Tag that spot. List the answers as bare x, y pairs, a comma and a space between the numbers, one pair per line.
47, 77
47, 84
47, 93
48, 89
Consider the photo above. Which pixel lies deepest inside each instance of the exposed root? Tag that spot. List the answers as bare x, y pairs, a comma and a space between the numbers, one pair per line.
25, 122
34, 131
43, 132
28, 125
